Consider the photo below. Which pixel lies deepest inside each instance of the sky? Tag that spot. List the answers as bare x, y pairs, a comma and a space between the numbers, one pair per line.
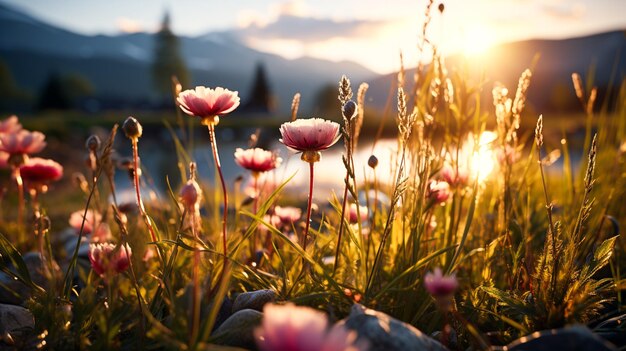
370, 32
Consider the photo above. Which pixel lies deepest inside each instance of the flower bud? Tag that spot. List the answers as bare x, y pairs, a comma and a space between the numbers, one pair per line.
132, 128
93, 143
349, 109
372, 161
190, 195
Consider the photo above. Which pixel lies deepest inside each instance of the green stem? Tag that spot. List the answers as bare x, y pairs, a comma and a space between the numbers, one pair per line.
218, 166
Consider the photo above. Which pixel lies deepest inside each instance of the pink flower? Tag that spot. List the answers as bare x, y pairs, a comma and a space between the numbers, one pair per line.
102, 234
294, 328
439, 285
107, 258
265, 186
272, 220
207, 103
341, 338
291, 328
288, 215
313, 134
257, 160
22, 142
438, 191
92, 218
507, 154
40, 171
453, 178
191, 195
10, 125
353, 213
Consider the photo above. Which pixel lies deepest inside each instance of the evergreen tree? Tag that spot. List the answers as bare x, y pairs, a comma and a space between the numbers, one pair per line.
63, 92
54, 95
167, 61
261, 99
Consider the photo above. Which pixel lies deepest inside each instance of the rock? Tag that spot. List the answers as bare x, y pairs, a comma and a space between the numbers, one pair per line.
17, 292
254, 300
223, 314
70, 246
452, 341
63, 237
238, 329
12, 291
15, 319
384, 333
574, 338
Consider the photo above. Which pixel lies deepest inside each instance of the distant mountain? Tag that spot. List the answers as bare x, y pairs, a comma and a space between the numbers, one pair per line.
551, 85
119, 66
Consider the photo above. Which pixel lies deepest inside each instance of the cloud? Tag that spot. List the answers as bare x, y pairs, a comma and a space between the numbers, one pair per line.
248, 17
290, 27
565, 11
127, 25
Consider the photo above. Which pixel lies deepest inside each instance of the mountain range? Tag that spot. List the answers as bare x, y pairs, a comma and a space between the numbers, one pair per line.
601, 58
118, 66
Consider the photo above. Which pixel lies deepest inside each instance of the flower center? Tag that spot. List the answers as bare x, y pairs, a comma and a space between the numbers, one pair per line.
214, 120
311, 156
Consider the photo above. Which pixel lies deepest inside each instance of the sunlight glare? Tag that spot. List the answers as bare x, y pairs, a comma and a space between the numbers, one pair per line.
477, 40
484, 159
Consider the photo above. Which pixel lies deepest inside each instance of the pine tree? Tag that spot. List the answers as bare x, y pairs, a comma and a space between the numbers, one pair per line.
261, 99
167, 60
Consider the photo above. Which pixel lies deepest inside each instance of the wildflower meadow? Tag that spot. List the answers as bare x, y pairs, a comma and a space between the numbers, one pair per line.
482, 228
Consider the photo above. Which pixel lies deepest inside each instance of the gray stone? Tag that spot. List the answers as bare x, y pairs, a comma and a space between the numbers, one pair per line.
254, 300
384, 333
238, 329
17, 292
63, 237
12, 291
573, 338
15, 319
83, 249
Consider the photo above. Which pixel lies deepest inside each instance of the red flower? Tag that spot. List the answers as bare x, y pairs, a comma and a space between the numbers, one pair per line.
313, 134
105, 258
41, 171
439, 285
257, 160
454, 178
208, 103
352, 215
438, 191
22, 142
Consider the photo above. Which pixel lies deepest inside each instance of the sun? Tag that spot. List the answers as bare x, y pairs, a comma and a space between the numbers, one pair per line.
476, 40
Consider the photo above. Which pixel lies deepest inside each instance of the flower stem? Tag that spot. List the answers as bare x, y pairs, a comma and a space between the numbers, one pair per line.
341, 225
255, 206
308, 209
218, 166
20, 198
142, 210
195, 306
